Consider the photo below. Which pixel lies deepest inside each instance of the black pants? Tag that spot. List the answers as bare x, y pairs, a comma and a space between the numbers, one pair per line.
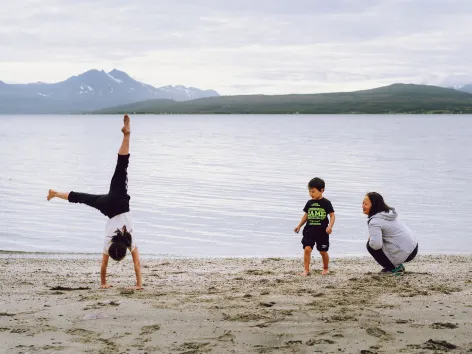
117, 200
382, 259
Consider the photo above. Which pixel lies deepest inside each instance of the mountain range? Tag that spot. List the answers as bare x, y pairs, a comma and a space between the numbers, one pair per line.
116, 92
89, 91
395, 98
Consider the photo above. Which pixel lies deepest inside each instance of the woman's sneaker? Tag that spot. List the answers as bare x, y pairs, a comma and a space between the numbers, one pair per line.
398, 270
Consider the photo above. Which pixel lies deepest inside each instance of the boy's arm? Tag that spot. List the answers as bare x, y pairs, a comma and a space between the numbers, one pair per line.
329, 229
302, 222
137, 269
103, 272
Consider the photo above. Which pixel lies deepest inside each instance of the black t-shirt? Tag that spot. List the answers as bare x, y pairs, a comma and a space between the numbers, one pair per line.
318, 210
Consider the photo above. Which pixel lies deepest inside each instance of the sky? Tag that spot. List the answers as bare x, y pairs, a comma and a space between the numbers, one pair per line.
241, 46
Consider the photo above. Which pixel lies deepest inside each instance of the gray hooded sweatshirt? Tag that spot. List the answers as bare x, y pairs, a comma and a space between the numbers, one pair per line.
391, 235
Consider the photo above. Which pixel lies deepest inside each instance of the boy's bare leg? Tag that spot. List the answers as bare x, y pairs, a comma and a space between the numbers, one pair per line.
53, 194
306, 260
325, 257
124, 148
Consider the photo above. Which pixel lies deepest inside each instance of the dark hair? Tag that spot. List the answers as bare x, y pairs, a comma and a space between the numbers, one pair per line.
378, 204
317, 183
119, 244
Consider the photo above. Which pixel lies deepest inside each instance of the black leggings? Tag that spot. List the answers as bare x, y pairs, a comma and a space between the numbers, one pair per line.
382, 259
117, 200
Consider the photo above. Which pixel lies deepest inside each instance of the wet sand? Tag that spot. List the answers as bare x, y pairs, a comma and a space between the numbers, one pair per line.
236, 306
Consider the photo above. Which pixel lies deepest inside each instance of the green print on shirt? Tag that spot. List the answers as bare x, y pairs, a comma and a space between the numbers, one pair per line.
315, 216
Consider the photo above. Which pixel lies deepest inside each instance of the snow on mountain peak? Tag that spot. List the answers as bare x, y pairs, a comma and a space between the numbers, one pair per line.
114, 79
85, 88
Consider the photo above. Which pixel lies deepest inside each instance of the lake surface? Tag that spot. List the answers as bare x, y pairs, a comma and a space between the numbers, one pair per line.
235, 185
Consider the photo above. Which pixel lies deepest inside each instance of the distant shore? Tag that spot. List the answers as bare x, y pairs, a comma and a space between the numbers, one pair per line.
235, 306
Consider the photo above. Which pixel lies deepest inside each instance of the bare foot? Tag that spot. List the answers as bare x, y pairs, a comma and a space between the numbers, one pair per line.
106, 286
325, 272
135, 288
52, 193
305, 274
126, 125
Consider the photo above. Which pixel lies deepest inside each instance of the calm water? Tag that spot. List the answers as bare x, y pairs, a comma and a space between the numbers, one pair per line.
234, 185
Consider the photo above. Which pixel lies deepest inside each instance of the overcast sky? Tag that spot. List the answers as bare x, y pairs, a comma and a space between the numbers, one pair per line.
241, 46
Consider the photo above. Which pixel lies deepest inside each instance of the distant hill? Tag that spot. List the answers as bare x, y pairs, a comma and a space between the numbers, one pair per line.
466, 88
89, 91
396, 98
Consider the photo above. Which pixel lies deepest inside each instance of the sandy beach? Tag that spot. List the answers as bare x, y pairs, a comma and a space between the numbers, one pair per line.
235, 306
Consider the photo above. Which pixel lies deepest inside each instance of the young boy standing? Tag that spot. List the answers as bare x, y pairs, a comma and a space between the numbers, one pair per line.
318, 227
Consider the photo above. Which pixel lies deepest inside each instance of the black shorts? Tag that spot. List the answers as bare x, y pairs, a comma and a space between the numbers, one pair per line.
117, 200
320, 239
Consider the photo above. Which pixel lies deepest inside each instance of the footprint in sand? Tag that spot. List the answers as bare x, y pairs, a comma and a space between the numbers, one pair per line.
401, 321
438, 345
80, 332
341, 318
294, 342
99, 305
192, 347
19, 330
226, 337
244, 317
150, 329
377, 332
66, 288
439, 325
312, 342
6, 314
126, 292
84, 336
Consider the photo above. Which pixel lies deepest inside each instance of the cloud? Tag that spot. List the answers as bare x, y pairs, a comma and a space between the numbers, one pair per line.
243, 46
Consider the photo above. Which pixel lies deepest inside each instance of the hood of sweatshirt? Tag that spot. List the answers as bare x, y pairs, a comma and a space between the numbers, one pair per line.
392, 215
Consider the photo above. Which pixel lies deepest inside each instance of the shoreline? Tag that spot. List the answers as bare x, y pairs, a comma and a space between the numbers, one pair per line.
237, 305
14, 252
6, 254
